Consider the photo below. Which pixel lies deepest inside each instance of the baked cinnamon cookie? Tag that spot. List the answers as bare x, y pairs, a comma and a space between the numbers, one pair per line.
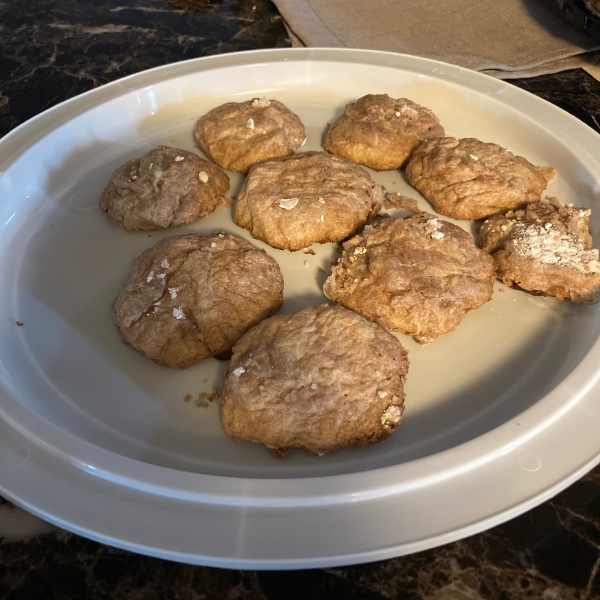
192, 296
237, 135
293, 202
321, 379
164, 188
381, 132
419, 275
546, 250
469, 179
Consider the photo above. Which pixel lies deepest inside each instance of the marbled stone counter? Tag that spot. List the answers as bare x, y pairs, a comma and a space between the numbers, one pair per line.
51, 50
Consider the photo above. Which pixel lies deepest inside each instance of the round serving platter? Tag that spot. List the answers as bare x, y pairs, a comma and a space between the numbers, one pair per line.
500, 414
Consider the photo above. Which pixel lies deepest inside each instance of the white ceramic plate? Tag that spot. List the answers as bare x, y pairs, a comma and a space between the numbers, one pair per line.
500, 414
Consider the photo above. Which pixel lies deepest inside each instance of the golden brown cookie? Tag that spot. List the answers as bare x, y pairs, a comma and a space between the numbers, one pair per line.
293, 202
237, 135
546, 250
321, 379
381, 132
469, 179
164, 188
419, 275
189, 297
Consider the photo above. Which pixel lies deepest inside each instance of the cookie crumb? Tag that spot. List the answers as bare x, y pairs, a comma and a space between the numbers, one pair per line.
309, 251
320, 270
391, 416
179, 314
260, 102
173, 291
20, 323
187, 397
393, 200
288, 203
432, 227
306, 263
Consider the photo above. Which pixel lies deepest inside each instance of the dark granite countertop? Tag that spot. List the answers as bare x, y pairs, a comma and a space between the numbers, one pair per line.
52, 50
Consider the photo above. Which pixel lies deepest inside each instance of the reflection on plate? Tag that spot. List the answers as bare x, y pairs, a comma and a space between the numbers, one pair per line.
105, 427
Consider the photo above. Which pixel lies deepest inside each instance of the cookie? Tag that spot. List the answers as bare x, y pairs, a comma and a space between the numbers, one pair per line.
419, 275
192, 296
546, 250
293, 202
381, 132
237, 135
320, 379
164, 188
469, 179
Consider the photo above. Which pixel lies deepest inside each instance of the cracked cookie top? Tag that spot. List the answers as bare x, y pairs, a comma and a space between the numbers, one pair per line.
419, 275
320, 379
236, 135
381, 132
192, 296
311, 197
164, 188
470, 179
546, 250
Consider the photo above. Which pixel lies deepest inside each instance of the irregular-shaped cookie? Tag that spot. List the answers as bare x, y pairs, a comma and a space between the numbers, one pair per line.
320, 379
164, 188
546, 250
381, 132
293, 202
419, 275
192, 296
469, 179
237, 135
